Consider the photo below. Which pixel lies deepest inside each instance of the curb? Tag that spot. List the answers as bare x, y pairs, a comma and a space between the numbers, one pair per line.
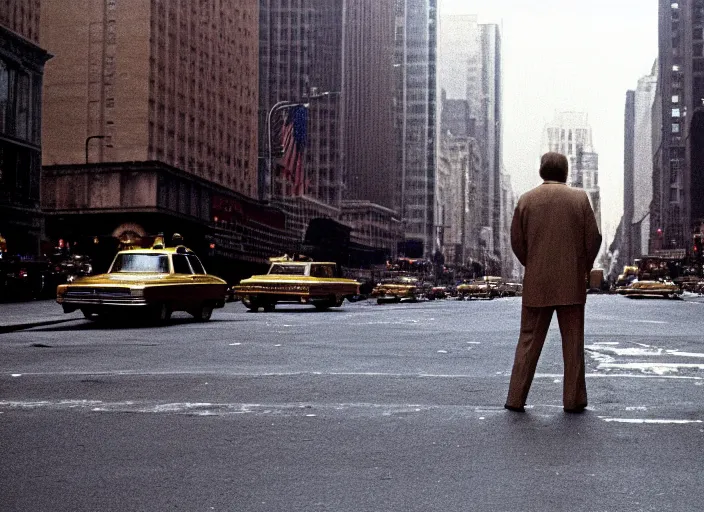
5, 329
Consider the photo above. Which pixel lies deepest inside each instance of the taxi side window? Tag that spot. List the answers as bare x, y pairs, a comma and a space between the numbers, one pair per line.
321, 271
181, 265
196, 264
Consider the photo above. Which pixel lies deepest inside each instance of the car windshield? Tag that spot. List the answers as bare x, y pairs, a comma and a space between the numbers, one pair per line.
140, 263
289, 270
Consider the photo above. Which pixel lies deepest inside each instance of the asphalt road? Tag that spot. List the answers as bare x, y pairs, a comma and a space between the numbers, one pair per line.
368, 408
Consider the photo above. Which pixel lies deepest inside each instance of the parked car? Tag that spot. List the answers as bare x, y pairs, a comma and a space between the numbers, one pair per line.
297, 282
155, 282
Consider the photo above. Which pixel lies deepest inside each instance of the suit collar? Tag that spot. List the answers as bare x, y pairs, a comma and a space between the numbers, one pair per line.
550, 182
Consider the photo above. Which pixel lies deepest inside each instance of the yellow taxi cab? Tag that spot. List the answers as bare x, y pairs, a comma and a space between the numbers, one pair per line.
398, 289
155, 281
296, 282
629, 274
486, 287
665, 289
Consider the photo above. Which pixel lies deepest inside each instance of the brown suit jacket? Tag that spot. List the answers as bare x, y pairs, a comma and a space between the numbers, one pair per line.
555, 236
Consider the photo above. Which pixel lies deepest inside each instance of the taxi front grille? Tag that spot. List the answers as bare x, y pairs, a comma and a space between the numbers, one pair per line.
282, 288
98, 293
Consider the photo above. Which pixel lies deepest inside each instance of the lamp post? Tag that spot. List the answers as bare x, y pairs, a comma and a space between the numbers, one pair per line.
283, 105
88, 139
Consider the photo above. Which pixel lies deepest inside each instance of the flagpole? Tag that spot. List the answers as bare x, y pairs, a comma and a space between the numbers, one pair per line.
267, 195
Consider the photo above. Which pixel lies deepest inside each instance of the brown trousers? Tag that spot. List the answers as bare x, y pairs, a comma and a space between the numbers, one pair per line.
534, 327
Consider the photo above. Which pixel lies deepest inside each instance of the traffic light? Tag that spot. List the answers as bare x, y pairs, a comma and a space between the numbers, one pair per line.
697, 247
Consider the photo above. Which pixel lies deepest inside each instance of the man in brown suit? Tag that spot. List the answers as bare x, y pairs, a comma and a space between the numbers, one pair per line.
555, 236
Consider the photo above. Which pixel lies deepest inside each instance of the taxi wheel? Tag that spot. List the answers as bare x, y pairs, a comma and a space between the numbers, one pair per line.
323, 305
162, 314
203, 313
89, 315
339, 303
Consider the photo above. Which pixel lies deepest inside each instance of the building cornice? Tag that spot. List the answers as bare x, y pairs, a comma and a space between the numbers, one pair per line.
22, 51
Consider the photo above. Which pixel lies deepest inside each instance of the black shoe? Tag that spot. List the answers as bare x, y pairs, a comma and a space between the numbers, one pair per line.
576, 410
515, 409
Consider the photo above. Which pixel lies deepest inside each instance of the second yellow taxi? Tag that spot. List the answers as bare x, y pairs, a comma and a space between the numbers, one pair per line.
296, 282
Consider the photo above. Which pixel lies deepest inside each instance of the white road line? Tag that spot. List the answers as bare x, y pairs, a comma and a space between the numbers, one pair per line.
225, 374
654, 367
649, 421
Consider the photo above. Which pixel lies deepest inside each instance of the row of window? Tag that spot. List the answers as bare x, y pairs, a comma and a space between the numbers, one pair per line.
19, 103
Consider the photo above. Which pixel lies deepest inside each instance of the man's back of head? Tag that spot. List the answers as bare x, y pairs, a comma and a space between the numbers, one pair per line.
554, 167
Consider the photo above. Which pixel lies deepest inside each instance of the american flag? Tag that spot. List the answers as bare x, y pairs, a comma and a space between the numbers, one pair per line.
293, 137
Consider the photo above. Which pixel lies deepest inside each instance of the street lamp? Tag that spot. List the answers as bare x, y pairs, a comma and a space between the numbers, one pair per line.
283, 105
88, 139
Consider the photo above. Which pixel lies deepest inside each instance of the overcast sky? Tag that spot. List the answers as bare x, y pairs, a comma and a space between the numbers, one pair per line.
569, 55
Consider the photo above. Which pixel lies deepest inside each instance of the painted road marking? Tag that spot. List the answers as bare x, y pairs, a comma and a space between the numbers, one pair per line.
224, 374
647, 421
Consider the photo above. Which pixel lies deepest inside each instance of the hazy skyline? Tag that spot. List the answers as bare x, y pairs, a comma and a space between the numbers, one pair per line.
571, 56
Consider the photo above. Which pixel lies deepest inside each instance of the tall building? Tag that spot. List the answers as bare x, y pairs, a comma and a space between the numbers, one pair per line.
459, 172
170, 82
678, 202
509, 262
484, 90
370, 158
333, 59
656, 204
470, 70
22, 17
571, 134
151, 119
21, 75
642, 164
626, 249
416, 111
458, 48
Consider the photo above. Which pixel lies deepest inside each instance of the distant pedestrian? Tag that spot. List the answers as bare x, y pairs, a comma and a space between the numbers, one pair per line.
555, 236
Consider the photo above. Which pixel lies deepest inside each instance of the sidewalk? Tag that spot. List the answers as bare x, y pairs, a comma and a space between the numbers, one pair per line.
15, 316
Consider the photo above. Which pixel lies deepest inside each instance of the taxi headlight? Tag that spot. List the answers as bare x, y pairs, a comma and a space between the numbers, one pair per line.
137, 292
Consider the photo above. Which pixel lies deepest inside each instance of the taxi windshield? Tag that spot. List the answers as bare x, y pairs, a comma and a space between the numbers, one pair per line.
140, 263
289, 270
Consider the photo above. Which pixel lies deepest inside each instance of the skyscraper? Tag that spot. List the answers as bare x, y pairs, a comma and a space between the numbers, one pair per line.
571, 134
416, 111
458, 48
678, 202
370, 158
459, 171
642, 164
484, 90
626, 249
